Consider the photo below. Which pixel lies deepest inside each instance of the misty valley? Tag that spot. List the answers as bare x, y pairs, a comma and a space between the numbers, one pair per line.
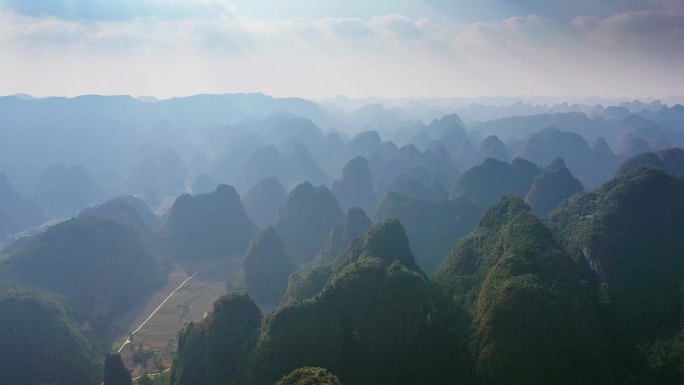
244, 239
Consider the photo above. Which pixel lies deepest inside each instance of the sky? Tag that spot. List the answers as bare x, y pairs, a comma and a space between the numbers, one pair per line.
356, 48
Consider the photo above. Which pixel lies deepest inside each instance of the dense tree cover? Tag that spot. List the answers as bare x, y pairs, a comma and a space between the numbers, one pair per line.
217, 349
432, 226
263, 200
645, 159
386, 239
369, 324
266, 267
551, 187
352, 226
665, 360
308, 216
531, 323
16, 212
309, 376
100, 264
40, 343
308, 283
670, 160
115, 373
629, 238
207, 225
493, 179
673, 158
355, 187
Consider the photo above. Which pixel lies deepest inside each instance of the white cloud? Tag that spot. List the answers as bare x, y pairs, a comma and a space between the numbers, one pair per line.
388, 55
111, 10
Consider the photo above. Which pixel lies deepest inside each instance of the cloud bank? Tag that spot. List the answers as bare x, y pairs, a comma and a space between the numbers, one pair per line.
173, 47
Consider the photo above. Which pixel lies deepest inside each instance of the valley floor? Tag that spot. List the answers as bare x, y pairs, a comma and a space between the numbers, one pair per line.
187, 297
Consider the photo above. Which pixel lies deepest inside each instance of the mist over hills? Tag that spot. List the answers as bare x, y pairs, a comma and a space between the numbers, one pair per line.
380, 241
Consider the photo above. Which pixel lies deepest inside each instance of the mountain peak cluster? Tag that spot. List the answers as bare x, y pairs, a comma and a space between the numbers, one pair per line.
416, 246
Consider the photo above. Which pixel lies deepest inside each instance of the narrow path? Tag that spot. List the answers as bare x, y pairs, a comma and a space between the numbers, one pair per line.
128, 339
152, 374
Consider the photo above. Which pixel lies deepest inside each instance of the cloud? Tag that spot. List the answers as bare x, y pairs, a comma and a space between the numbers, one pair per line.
631, 52
347, 27
636, 23
492, 10
655, 37
112, 10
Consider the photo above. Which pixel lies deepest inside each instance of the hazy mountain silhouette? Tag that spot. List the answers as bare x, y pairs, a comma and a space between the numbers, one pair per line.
355, 188
16, 212
263, 200
203, 184
354, 224
266, 267
63, 189
305, 219
207, 225
126, 209
551, 187
432, 226
494, 179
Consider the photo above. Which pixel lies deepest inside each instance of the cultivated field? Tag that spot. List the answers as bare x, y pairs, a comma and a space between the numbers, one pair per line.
151, 348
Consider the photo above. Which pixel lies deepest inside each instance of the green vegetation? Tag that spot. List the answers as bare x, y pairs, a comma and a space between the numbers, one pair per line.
628, 238
307, 284
670, 160
216, 350
369, 324
309, 376
101, 265
386, 240
115, 373
531, 323
666, 360
40, 343
207, 225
